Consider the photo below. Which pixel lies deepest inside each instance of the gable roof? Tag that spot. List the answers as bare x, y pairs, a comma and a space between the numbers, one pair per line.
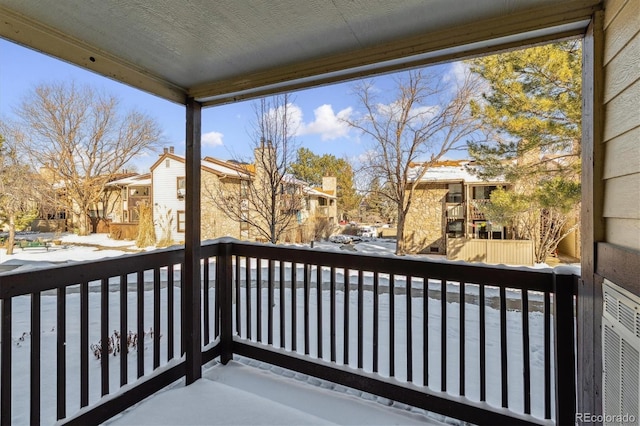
137, 180
220, 168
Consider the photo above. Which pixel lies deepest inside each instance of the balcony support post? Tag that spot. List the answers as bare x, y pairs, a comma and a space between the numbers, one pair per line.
564, 353
224, 278
191, 286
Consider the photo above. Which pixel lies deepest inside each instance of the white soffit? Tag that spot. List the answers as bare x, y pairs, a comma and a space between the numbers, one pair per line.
221, 51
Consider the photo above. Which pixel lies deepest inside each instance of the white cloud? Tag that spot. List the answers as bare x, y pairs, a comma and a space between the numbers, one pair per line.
295, 118
421, 113
457, 72
212, 138
327, 123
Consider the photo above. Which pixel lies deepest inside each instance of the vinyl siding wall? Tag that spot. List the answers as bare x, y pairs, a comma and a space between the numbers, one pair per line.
165, 197
622, 123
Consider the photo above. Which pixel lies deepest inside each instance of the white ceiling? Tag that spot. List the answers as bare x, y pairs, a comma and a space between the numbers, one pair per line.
220, 51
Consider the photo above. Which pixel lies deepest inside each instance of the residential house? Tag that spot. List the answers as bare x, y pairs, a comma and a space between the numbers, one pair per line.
168, 191
133, 191
317, 207
447, 202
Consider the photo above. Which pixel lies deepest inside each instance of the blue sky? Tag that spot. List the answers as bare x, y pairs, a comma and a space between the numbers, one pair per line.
226, 129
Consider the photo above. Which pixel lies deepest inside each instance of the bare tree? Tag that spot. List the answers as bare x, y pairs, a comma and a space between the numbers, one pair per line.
428, 117
267, 199
22, 191
84, 140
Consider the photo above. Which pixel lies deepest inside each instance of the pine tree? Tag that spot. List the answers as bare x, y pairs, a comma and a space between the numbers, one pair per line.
532, 110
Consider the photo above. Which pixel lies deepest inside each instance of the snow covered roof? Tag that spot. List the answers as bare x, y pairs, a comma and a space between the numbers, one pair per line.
305, 187
223, 167
318, 192
139, 180
451, 171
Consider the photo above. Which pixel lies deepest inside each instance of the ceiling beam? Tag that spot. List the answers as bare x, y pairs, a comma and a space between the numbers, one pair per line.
506, 32
35, 35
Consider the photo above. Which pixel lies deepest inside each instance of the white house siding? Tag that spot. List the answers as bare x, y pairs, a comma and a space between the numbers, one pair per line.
166, 204
622, 123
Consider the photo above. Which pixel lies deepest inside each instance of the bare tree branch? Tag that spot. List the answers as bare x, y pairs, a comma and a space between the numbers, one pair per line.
82, 137
427, 118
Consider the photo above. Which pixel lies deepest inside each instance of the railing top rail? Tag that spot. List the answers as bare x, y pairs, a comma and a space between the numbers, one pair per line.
16, 283
499, 276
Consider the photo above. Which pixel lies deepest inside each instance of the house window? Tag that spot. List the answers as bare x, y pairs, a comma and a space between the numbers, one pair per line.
135, 215
181, 184
455, 228
481, 229
322, 201
140, 191
244, 188
125, 216
497, 232
167, 163
482, 192
181, 221
455, 193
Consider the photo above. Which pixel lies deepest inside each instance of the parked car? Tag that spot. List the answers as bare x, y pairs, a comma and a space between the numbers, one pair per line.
368, 232
341, 239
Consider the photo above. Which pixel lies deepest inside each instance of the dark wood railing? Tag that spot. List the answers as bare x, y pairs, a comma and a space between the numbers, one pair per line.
418, 332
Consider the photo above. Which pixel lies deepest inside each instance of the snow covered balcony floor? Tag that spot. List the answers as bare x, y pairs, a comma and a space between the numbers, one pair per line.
238, 394
486, 345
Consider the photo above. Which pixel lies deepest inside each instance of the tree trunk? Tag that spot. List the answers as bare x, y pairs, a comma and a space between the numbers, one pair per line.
12, 235
81, 223
401, 248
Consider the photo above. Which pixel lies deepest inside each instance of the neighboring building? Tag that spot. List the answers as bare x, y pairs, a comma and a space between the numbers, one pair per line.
323, 201
317, 210
168, 197
447, 202
133, 191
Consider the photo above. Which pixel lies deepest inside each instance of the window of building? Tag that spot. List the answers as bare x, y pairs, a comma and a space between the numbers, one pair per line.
167, 163
455, 228
181, 221
481, 229
125, 216
483, 192
181, 184
497, 232
244, 188
455, 193
139, 191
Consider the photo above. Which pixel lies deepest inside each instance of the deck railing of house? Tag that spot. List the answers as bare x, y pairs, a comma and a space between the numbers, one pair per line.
481, 344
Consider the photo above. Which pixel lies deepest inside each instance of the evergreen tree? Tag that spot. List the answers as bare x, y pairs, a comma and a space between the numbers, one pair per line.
532, 110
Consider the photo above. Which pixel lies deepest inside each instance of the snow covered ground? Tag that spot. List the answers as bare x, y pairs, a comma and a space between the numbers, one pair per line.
74, 248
